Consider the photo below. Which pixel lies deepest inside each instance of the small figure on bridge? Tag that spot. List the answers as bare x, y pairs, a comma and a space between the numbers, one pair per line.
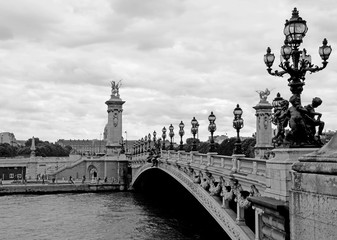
71, 180
83, 179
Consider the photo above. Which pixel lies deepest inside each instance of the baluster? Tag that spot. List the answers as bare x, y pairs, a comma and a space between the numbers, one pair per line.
258, 213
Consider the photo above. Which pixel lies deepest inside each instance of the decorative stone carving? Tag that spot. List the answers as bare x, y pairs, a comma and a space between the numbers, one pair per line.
215, 187
115, 119
204, 182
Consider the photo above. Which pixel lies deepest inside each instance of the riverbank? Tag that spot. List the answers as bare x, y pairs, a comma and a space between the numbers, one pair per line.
54, 188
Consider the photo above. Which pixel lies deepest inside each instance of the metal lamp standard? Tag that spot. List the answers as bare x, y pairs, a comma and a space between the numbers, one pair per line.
158, 144
145, 143
171, 134
297, 63
181, 133
154, 138
212, 129
149, 141
138, 146
194, 131
142, 145
164, 137
237, 124
294, 30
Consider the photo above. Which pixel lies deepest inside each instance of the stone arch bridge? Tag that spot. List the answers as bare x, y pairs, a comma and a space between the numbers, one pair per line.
247, 197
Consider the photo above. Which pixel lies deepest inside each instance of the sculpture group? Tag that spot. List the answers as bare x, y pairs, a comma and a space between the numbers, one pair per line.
301, 120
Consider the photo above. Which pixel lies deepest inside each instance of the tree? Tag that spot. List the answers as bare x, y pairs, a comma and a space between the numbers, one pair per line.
6, 150
227, 146
248, 147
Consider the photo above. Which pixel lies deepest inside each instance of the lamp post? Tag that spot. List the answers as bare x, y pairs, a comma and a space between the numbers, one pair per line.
145, 143
212, 129
164, 136
142, 145
181, 133
294, 30
154, 138
237, 124
149, 141
297, 63
158, 144
194, 131
171, 134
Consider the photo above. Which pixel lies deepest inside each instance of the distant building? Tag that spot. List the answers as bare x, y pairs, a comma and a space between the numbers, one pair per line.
7, 137
84, 146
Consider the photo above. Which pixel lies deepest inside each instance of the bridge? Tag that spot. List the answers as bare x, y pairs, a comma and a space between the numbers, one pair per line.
230, 188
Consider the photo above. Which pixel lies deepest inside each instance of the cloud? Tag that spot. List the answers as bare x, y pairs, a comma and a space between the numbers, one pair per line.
177, 59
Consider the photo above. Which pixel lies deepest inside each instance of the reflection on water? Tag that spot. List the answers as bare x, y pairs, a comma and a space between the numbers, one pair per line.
117, 215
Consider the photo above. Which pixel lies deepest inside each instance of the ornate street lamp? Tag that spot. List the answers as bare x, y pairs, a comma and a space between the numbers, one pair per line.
296, 63
154, 138
149, 141
171, 134
164, 136
145, 143
138, 146
237, 124
194, 131
134, 149
142, 143
294, 30
212, 129
181, 133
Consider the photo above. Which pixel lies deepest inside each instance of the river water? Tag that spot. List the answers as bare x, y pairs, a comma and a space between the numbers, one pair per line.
116, 215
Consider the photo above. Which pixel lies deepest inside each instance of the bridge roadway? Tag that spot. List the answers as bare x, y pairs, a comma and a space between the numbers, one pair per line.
220, 183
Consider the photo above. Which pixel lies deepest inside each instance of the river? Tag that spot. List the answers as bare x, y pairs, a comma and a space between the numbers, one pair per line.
116, 215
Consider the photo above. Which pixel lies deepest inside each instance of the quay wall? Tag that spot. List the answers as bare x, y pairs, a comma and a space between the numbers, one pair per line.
59, 188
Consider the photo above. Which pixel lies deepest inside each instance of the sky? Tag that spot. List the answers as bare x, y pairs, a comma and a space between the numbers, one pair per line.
177, 59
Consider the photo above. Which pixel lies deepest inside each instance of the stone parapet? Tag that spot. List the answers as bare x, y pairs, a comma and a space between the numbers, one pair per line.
278, 176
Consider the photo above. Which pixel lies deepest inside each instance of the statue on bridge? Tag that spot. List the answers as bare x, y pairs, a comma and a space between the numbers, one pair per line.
302, 122
263, 94
115, 88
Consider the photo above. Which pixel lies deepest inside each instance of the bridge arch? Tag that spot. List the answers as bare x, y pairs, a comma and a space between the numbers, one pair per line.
211, 205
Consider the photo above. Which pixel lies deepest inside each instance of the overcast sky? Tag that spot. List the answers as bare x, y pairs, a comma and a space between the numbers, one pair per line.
177, 58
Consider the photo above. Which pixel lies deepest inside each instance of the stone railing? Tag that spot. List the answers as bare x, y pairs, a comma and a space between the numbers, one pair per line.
246, 170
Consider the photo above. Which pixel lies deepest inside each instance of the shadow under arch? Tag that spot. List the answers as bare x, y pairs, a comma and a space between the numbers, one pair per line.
147, 174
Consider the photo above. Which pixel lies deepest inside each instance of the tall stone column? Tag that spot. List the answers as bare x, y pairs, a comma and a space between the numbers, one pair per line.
263, 128
114, 125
